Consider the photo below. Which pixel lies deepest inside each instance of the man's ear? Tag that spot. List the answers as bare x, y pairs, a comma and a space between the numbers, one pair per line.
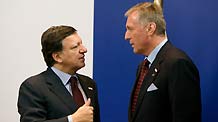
151, 28
57, 57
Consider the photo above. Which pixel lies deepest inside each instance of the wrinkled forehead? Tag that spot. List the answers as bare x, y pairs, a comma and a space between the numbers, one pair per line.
72, 39
132, 19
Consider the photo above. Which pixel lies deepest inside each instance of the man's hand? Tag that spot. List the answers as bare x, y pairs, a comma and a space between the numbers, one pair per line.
84, 113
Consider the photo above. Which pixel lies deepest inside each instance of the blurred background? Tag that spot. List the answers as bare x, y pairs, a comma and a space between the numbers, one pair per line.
191, 26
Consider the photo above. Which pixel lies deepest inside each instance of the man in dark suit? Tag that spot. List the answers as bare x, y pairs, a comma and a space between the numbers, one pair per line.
167, 86
59, 94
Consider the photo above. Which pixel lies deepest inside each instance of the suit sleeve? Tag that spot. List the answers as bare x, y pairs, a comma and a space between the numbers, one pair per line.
31, 105
96, 109
184, 92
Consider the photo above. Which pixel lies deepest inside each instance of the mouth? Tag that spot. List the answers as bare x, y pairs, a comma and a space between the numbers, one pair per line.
82, 58
132, 45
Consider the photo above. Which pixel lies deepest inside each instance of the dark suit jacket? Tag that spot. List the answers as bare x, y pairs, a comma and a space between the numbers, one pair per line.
177, 97
44, 98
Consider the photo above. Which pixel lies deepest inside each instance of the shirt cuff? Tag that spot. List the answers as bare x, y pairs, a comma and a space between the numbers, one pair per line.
70, 119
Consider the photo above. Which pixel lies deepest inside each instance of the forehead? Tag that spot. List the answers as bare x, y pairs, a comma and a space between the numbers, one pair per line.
132, 19
73, 38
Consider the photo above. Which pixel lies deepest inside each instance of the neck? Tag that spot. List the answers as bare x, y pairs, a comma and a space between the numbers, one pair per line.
64, 69
155, 40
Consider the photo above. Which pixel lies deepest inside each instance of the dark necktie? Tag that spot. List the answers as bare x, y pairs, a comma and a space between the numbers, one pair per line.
77, 95
143, 72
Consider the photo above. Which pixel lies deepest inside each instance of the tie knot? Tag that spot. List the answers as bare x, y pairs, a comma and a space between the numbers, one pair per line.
145, 63
73, 81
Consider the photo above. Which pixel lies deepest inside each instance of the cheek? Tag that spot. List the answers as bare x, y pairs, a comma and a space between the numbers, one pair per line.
139, 39
71, 57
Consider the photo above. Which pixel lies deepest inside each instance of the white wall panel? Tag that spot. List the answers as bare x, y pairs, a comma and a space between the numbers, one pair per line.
21, 24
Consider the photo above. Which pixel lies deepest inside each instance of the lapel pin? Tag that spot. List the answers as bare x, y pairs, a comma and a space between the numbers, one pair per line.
155, 70
90, 88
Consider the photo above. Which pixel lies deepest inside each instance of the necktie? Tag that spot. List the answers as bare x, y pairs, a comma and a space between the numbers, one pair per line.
77, 95
143, 72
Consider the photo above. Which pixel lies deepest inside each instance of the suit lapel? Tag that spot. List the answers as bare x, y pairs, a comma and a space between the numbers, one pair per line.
150, 77
152, 73
57, 87
87, 87
148, 80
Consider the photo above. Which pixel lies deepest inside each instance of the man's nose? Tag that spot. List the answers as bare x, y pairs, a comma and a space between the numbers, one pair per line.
83, 49
127, 37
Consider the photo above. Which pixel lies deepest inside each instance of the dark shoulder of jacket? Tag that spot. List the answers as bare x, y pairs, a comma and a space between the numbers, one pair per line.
35, 80
85, 78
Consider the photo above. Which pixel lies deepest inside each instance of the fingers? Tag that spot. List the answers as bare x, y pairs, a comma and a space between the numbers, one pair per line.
84, 113
88, 102
87, 105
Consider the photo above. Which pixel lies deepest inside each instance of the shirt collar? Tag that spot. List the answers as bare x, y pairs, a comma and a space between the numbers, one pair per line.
62, 75
154, 52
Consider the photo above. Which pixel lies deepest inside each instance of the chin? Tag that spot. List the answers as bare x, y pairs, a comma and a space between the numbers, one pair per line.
78, 67
136, 51
82, 65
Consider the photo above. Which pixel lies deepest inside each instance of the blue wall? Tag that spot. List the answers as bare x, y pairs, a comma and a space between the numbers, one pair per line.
191, 26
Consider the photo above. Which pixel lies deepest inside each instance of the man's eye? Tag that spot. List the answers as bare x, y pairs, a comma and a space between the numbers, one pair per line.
75, 46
